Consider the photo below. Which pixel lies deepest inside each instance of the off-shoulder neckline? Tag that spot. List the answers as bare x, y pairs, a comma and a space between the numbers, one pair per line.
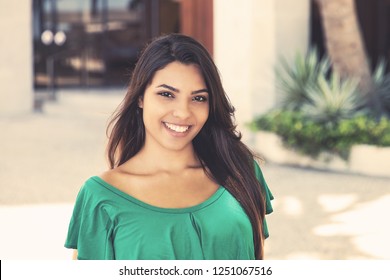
213, 198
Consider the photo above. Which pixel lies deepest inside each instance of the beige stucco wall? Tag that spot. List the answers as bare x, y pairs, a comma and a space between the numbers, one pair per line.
249, 37
292, 26
16, 87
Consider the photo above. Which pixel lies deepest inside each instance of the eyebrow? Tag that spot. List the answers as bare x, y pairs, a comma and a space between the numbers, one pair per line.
177, 90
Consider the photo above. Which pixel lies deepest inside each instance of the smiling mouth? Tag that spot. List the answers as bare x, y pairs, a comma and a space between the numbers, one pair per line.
177, 128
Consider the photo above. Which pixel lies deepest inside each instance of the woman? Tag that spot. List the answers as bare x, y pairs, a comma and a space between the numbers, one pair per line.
181, 184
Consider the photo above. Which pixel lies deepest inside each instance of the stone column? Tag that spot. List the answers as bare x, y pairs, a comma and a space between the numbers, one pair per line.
292, 21
249, 37
16, 63
244, 51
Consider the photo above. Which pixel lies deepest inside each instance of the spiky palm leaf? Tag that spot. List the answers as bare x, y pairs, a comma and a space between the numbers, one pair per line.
382, 85
294, 80
332, 101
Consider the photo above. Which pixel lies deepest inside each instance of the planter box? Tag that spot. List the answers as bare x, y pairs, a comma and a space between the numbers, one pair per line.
364, 159
370, 160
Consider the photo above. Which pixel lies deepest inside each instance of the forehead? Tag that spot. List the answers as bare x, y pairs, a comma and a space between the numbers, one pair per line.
179, 74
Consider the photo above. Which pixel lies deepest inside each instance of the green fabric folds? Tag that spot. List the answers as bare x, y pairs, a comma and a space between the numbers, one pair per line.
110, 224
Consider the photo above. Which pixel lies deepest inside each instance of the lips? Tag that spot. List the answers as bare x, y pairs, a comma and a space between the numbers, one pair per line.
177, 128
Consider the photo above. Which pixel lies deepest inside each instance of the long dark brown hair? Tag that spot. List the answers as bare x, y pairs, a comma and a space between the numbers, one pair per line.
218, 145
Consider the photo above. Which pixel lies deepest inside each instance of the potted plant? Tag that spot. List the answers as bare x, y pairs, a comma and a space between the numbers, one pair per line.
321, 119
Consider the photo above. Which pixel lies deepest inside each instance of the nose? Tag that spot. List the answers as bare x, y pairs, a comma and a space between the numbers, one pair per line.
181, 110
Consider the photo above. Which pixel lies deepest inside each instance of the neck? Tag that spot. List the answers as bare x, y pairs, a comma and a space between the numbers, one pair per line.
159, 159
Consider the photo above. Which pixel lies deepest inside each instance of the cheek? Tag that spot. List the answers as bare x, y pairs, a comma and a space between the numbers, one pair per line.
202, 116
154, 105
150, 115
206, 113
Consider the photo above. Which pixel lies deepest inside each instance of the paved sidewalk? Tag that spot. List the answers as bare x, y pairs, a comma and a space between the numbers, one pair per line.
34, 231
46, 157
322, 215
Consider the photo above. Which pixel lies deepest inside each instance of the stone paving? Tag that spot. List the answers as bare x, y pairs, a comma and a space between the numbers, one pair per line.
45, 157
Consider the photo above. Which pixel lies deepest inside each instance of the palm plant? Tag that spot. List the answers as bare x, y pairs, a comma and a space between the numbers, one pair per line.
320, 111
332, 101
294, 80
381, 81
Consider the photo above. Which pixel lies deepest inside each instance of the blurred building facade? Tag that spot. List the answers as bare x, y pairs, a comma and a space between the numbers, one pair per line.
94, 43
16, 73
97, 41
50, 44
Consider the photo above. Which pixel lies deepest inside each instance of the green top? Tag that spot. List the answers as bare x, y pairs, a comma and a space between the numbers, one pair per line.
110, 224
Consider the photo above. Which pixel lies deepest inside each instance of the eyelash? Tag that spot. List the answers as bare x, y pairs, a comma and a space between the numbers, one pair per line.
198, 98
166, 94
203, 98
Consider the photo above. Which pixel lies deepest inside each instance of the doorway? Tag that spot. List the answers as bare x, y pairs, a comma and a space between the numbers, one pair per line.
95, 43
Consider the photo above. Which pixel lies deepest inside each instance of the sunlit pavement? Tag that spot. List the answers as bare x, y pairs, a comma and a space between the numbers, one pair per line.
46, 157
322, 215
34, 232
367, 225
367, 230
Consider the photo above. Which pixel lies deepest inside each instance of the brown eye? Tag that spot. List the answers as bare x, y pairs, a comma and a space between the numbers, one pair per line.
165, 94
200, 98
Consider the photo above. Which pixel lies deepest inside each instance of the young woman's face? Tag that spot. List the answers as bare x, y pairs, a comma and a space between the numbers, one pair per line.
175, 106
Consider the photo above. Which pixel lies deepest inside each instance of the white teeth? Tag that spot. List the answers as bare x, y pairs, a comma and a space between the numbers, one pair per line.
177, 128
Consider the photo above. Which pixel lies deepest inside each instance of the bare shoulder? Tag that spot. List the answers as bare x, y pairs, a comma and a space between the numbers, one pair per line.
123, 179
108, 175
113, 177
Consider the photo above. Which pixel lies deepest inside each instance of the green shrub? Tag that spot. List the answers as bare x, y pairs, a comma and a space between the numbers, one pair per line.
320, 112
310, 137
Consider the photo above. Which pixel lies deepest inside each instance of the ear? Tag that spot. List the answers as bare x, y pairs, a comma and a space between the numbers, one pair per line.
141, 102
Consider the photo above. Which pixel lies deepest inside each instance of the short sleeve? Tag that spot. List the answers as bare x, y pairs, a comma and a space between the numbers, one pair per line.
90, 228
268, 196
